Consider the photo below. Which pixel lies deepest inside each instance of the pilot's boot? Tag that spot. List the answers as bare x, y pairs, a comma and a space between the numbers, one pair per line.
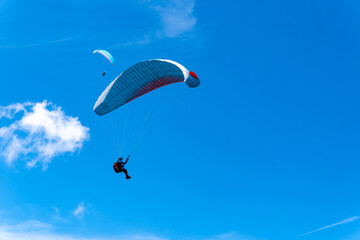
126, 174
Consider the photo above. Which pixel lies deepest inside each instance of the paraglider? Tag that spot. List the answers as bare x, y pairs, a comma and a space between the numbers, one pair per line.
140, 79
119, 166
107, 55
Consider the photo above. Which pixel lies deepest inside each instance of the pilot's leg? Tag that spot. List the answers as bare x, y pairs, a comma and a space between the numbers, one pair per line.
126, 174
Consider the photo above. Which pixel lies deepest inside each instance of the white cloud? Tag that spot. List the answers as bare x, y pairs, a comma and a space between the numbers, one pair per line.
30, 225
11, 110
176, 19
36, 230
176, 16
80, 211
348, 220
42, 132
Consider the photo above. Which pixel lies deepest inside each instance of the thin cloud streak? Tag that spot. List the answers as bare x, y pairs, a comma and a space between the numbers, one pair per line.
34, 229
139, 42
348, 220
37, 230
36, 44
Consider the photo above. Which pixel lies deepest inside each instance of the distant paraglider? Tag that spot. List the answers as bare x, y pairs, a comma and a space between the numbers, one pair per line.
106, 54
140, 79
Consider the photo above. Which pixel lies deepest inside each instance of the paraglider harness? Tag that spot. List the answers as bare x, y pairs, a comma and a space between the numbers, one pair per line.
119, 165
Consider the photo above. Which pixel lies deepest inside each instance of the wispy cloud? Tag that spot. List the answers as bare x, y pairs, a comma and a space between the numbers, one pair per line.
348, 220
30, 225
56, 216
38, 132
139, 42
36, 44
10, 110
41, 231
34, 229
176, 17
80, 211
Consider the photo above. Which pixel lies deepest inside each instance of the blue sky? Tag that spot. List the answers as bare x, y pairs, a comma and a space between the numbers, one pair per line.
266, 148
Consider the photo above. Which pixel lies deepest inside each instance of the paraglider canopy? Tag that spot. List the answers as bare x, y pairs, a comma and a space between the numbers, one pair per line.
106, 54
140, 79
